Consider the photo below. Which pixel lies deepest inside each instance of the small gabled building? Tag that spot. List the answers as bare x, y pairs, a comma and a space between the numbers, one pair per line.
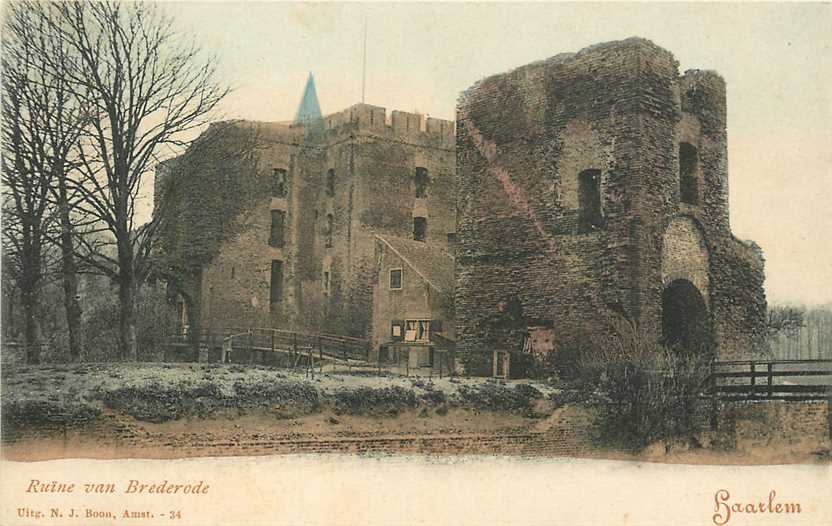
413, 317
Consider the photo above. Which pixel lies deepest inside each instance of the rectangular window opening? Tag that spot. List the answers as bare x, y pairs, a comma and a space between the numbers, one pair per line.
276, 283
330, 183
279, 183
420, 228
688, 180
276, 236
421, 182
417, 330
330, 225
589, 200
395, 279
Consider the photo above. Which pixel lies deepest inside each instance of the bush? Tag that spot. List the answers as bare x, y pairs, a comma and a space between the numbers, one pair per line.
650, 392
22, 414
494, 397
365, 400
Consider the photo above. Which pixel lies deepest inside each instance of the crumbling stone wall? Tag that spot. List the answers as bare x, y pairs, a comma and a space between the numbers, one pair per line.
524, 140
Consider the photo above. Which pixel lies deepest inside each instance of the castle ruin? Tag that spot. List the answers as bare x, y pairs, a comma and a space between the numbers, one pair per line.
583, 188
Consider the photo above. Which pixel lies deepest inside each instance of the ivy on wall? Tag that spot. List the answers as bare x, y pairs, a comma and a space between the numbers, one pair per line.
203, 193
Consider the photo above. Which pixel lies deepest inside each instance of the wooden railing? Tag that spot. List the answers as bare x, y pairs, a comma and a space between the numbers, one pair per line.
770, 380
261, 340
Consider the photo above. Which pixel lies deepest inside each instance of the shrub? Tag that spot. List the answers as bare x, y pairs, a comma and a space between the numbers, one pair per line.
650, 392
366, 400
494, 397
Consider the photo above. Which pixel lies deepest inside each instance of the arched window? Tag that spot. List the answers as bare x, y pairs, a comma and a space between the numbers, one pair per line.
421, 182
330, 182
688, 177
589, 200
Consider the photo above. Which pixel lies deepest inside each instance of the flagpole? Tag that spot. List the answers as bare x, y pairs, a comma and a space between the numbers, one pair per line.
364, 66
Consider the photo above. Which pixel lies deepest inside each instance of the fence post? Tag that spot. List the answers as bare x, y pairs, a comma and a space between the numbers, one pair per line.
752, 391
321, 354
251, 346
312, 362
295, 348
770, 378
714, 403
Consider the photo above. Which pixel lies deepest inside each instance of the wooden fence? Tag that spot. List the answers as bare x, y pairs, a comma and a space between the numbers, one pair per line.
771, 380
232, 343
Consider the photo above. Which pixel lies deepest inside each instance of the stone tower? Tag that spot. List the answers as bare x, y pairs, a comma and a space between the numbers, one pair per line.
274, 224
591, 187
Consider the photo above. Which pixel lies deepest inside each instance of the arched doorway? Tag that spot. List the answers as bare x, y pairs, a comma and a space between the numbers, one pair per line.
685, 323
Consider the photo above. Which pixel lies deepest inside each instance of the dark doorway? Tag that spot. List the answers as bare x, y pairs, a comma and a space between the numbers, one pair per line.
685, 324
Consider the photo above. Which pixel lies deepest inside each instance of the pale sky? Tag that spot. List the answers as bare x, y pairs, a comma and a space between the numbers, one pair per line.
775, 59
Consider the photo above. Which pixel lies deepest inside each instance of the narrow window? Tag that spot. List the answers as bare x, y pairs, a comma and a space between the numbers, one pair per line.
276, 284
326, 282
688, 182
279, 183
589, 200
330, 182
421, 180
276, 238
395, 279
329, 227
420, 228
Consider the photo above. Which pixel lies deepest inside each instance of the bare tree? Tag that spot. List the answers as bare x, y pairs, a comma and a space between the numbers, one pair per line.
25, 185
49, 120
145, 89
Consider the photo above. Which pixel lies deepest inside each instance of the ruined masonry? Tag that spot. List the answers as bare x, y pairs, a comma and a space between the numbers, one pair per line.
575, 192
593, 187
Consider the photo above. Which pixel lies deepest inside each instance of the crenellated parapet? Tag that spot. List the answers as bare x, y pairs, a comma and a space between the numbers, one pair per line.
395, 125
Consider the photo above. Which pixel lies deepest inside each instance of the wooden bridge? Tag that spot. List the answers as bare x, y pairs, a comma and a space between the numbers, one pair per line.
241, 344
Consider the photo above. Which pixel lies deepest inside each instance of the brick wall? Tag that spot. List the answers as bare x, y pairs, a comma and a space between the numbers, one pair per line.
754, 424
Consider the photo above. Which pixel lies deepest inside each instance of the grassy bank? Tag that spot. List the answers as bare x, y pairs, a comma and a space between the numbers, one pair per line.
75, 395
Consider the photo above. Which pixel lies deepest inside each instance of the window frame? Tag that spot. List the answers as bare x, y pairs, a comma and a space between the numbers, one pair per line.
424, 323
390, 278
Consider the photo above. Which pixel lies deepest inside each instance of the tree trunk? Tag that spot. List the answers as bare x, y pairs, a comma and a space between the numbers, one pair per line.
128, 345
30, 296
70, 278
193, 301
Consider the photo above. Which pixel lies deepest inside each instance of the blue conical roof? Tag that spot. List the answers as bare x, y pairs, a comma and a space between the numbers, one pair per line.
309, 109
